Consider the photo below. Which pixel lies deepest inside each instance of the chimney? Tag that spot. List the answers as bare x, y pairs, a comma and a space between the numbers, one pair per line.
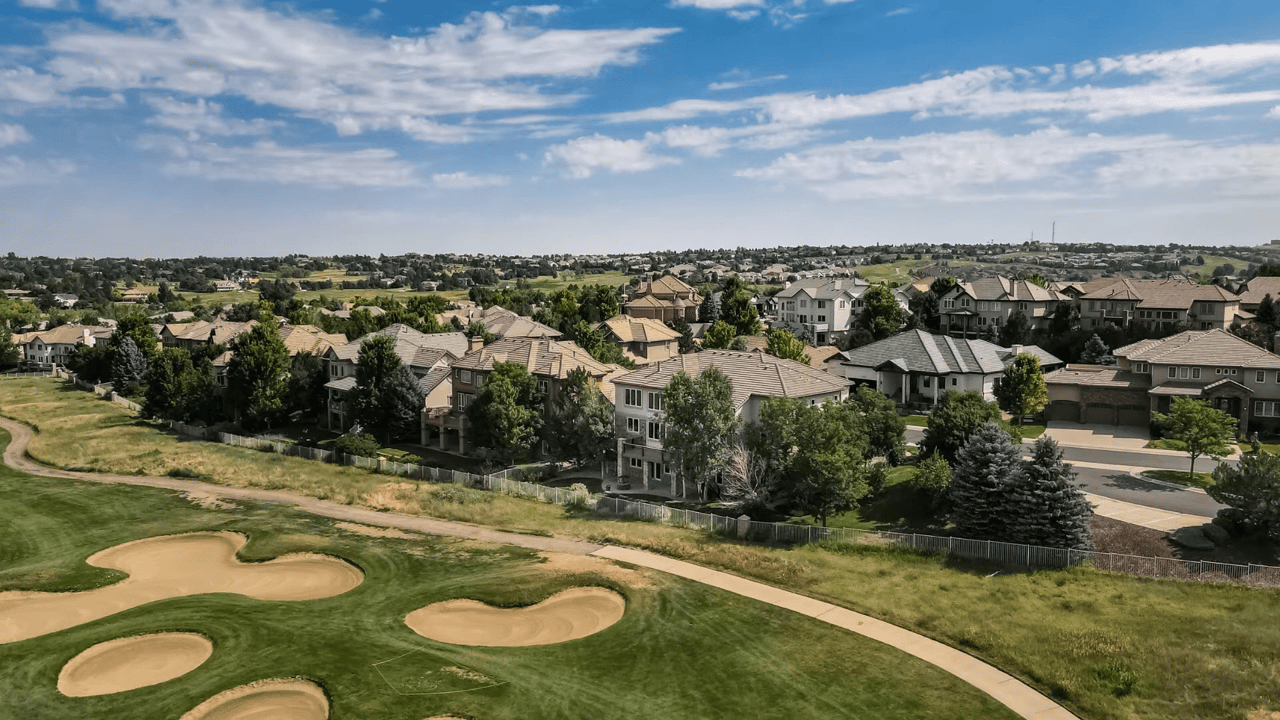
1017, 350
475, 343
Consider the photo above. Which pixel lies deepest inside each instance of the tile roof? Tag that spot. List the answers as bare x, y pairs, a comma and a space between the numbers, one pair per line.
920, 351
309, 338
548, 358
63, 334
409, 343
1260, 287
825, 288
1172, 293
643, 330
667, 284
751, 373
1097, 375
1003, 288
433, 379
1200, 347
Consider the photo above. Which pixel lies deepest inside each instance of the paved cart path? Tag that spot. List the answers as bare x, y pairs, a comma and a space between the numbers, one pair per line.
1004, 688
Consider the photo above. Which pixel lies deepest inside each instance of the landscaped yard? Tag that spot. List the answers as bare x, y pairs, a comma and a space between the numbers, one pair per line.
1200, 479
1107, 646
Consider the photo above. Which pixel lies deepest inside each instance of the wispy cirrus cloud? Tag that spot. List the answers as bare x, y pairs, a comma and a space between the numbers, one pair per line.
581, 157
467, 181
13, 134
267, 161
16, 171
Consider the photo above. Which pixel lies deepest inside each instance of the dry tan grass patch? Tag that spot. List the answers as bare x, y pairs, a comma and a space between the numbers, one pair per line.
374, 531
1263, 714
571, 564
209, 501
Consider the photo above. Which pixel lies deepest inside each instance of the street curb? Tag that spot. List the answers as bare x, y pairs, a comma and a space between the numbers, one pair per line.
1137, 474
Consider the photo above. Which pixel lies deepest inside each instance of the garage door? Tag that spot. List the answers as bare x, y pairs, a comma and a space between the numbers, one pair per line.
1063, 411
1138, 415
1099, 414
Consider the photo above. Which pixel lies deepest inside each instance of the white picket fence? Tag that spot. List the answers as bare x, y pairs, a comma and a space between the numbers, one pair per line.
1006, 554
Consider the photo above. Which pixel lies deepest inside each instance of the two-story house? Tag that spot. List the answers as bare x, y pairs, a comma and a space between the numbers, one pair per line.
640, 412
1229, 373
664, 300
643, 340
55, 347
916, 367
1159, 304
1253, 291
970, 308
548, 361
821, 309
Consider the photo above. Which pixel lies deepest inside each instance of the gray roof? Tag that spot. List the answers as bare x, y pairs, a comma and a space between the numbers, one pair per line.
409, 344
345, 384
921, 352
433, 378
825, 288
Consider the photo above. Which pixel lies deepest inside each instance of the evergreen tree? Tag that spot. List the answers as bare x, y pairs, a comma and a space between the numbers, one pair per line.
405, 401
128, 366
736, 307
1021, 390
956, 416
173, 387
258, 374
1253, 486
985, 472
1066, 316
505, 415
685, 344
1096, 352
1016, 330
307, 379
783, 344
579, 426
1266, 314
375, 364
700, 425
719, 337
1049, 508
10, 352
709, 310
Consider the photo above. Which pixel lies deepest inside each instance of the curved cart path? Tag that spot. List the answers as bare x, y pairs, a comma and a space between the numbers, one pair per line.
1004, 688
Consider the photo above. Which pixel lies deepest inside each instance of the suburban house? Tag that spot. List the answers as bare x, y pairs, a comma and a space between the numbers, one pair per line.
971, 308
1159, 304
820, 309
296, 338
916, 367
639, 410
643, 340
548, 361
225, 286
345, 311
66, 300
190, 335
56, 346
1252, 292
506, 324
1228, 372
427, 355
134, 296
664, 300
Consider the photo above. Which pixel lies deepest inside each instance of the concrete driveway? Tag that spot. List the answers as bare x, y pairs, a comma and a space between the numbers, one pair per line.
1103, 437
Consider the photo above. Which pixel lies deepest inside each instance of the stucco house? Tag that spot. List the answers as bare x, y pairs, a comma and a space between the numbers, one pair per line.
643, 340
971, 308
55, 347
821, 309
665, 299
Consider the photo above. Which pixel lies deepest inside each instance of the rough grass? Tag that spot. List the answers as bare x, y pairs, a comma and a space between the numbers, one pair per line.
1200, 479
682, 650
1107, 646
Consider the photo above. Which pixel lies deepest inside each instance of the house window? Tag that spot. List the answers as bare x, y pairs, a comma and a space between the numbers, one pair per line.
964, 302
633, 425
655, 431
953, 382
655, 401
804, 319
843, 304
636, 463
333, 371
982, 320
479, 380
544, 387
1141, 368
1184, 373
1022, 306
822, 304
632, 397
926, 382
1195, 373
464, 399
982, 305
948, 304
1262, 376
804, 303
1266, 409
822, 318
464, 376
1173, 371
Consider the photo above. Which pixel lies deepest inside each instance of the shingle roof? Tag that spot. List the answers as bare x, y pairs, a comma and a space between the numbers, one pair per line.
625, 328
939, 354
667, 284
433, 378
1200, 347
1098, 375
751, 373
409, 343
548, 358
62, 335
1003, 288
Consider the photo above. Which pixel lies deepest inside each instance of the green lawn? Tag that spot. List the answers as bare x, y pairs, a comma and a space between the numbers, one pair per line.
1110, 647
682, 650
916, 420
1200, 479
1166, 444
1271, 448
1030, 432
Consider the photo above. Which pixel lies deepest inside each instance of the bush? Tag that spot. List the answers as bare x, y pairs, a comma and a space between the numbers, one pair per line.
363, 445
580, 496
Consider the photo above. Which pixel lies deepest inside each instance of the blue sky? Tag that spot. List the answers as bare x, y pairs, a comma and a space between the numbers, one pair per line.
183, 127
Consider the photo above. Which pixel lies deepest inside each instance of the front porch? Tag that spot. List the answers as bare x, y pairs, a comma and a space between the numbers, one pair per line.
908, 388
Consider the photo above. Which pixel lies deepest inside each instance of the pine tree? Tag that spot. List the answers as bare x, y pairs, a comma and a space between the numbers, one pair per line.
405, 400
1266, 313
1016, 330
1049, 509
10, 353
685, 344
375, 364
1096, 352
709, 310
127, 367
986, 469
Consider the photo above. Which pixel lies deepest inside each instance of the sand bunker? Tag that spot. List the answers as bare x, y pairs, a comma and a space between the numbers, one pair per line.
174, 566
565, 616
282, 699
133, 662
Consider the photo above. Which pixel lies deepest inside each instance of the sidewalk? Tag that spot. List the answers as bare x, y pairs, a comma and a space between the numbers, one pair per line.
1142, 515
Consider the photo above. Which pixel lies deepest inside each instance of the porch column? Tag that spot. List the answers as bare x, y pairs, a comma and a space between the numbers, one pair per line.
462, 437
442, 417
644, 472
618, 469
938, 381
906, 385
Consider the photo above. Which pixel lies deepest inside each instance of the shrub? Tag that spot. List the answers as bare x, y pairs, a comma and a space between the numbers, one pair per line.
579, 496
362, 444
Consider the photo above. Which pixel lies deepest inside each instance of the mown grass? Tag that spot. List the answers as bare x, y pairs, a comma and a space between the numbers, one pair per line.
1110, 647
682, 650
1199, 480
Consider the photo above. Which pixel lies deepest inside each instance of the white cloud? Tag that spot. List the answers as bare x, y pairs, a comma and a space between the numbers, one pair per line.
539, 10
203, 118
1274, 112
743, 15
266, 161
467, 181
306, 65
1046, 163
13, 134
743, 82
372, 15
717, 4
899, 11
581, 157
16, 171
50, 4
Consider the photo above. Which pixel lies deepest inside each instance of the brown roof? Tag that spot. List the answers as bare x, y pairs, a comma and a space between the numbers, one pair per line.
547, 358
1173, 293
1200, 347
1260, 287
409, 346
751, 373
1097, 375
62, 335
666, 285
309, 338
1003, 288
625, 328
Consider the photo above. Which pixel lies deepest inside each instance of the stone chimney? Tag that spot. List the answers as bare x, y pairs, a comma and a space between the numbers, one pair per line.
475, 343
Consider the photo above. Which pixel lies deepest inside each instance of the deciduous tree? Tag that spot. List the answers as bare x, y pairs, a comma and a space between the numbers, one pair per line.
720, 336
258, 374
700, 425
785, 345
405, 400
579, 426
881, 316
885, 429
1201, 429
505, 416
375, 363
1021, 390
956, 416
